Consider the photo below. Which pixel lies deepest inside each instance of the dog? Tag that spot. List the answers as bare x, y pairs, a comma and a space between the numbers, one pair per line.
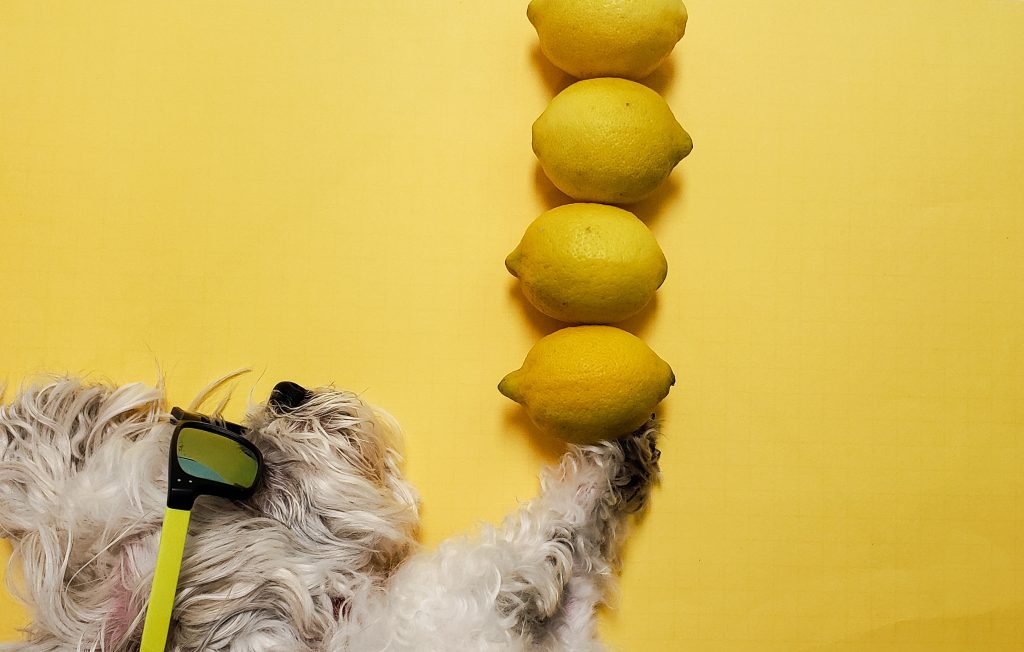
323, 556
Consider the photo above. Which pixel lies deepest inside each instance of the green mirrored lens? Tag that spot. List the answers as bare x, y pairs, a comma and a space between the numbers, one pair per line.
210, 456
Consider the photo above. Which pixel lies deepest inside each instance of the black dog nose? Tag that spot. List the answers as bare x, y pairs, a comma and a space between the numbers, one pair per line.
287, 394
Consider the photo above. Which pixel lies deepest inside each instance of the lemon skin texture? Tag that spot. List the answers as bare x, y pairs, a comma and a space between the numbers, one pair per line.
585, 384
608, 38
588, 264
608, 140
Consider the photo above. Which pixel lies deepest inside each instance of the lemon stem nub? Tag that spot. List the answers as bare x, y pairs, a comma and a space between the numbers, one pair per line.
512, 262
510, 387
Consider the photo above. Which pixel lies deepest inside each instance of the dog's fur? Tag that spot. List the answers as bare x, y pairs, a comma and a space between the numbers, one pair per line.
322, 557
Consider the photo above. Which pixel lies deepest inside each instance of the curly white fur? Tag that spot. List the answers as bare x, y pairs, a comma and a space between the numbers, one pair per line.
322, 557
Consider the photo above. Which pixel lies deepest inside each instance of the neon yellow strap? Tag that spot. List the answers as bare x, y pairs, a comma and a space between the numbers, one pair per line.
165, 580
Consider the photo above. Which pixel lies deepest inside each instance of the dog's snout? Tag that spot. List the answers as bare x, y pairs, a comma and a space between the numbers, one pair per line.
287, 394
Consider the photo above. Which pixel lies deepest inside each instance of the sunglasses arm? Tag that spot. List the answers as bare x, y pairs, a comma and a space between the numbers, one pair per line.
165, 580
178, 416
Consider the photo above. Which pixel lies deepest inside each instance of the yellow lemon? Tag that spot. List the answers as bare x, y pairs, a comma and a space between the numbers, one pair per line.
609, 140
588, 264
607, 38
587, 383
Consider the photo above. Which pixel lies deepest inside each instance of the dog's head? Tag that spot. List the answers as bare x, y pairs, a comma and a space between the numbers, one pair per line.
332, 469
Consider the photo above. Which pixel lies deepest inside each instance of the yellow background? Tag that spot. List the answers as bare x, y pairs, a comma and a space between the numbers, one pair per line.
325, 191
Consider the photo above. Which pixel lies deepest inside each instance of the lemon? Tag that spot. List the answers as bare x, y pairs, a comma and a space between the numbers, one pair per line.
588, 264
587, 383
607, 38
608, 140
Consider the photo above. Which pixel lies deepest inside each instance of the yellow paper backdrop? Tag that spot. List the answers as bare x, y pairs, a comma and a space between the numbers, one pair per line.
325, 191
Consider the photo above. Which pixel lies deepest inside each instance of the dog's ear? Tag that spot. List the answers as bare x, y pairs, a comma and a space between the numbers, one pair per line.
50, 430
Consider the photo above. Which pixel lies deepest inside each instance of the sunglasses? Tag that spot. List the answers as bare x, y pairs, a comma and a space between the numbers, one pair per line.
206, 459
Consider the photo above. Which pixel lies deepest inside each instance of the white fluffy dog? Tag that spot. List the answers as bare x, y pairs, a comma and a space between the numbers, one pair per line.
322, 557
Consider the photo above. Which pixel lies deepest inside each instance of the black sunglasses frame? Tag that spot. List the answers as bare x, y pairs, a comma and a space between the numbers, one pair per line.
182, 487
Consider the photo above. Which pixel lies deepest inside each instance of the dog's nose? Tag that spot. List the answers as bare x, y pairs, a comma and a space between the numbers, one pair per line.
287, 394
